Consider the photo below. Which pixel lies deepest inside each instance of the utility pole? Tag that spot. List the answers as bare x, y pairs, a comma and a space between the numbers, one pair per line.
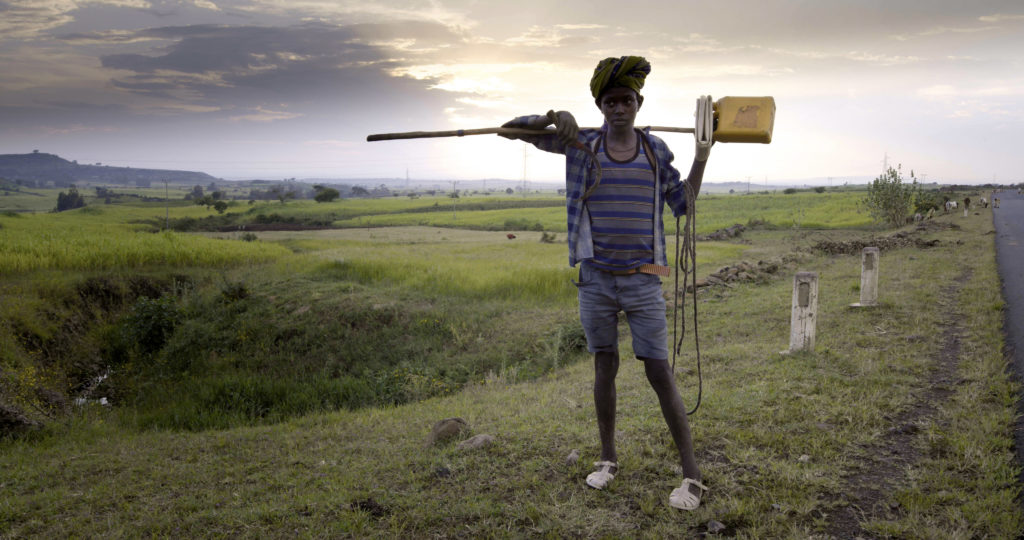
525, 148
167, 208
454, 198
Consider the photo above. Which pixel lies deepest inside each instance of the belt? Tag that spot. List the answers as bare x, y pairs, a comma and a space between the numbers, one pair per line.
655, 269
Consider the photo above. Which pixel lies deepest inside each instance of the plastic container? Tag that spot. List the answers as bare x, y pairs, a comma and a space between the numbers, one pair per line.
744, 119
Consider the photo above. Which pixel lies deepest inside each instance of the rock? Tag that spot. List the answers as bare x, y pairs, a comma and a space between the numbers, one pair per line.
12, 420
777, 507
445, 430
715, 527
701, 283
371, 507
573, 457
476, 441
52, 398
804, 458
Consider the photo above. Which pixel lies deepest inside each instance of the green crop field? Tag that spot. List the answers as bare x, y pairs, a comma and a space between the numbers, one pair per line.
275, 373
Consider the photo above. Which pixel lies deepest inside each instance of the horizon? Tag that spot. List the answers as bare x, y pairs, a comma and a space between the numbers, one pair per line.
831, 181
265, 89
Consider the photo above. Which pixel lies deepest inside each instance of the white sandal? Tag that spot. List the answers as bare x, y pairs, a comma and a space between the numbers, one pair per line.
600, 478
681, 497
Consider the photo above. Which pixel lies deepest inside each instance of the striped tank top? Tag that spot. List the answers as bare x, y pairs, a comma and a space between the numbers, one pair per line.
621, 211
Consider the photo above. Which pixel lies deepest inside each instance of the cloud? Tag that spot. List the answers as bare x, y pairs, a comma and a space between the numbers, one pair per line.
552, 36
999, 17
260, 114
33, 19
249, 66
205, 4
236, 49
24, 19
581, 26
995, 101
940, 30
108, 37
75, 129
361, 11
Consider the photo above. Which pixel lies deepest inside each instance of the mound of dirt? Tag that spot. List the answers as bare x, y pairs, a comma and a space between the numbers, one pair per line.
748, 272
723, 234
898, 240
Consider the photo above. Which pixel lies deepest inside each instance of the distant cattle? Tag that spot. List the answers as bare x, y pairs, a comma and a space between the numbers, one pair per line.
511, 236
995, 203
950, 205
983, 202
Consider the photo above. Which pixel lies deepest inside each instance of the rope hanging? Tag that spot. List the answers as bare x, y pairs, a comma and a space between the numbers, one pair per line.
686, 264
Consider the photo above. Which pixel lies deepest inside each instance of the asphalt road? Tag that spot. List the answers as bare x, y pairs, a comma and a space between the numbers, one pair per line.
1009, 223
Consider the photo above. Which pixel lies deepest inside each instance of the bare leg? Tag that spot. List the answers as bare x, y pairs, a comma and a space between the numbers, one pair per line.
606, 366
660, 375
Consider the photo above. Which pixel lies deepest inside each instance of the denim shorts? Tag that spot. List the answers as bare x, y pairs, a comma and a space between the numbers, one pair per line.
603, 295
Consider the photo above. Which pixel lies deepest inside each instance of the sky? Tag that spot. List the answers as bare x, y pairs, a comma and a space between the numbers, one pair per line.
276, 89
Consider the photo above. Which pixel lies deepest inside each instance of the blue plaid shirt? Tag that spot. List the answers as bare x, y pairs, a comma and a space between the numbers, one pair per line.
580, 174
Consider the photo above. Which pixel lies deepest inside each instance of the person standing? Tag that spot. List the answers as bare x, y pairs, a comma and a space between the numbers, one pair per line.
618, 179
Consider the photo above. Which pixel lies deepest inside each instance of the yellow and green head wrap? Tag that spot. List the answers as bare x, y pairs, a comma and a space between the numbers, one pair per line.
625, 71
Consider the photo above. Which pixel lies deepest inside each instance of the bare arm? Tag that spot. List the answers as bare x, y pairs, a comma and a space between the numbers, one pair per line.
696, 176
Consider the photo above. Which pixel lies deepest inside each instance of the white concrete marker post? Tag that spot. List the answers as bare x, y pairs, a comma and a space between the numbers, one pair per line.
805, 312
868, 277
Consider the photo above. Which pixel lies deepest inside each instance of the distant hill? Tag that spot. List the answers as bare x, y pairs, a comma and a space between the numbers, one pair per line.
48, 170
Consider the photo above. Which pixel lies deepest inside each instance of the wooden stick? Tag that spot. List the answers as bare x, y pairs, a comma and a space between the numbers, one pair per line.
489, 131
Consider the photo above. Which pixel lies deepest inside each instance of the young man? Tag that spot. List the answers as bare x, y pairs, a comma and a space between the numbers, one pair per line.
618, 179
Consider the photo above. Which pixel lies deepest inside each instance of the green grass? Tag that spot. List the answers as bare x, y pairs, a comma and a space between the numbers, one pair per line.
29, 200
84, 240
492, 313
831, 210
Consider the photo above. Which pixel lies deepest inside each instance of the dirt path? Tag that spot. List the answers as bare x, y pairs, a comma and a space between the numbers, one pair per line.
882, 466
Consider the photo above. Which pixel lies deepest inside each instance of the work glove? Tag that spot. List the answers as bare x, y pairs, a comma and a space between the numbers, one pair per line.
704, 128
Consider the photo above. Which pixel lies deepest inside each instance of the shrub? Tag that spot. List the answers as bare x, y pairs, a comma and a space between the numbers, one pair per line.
151, 323
70, 200
326, 195
889, 199
521, 224
928, 200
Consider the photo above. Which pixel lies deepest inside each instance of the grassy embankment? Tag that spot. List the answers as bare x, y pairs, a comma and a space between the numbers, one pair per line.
365, 472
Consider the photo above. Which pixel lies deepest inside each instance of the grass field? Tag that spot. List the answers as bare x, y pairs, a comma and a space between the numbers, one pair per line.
293, 393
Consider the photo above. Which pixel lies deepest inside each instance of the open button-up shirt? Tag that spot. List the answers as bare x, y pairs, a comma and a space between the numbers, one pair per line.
581, 173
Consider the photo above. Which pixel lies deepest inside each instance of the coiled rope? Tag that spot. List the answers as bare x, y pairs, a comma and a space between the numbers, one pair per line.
686, 265
686, 250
